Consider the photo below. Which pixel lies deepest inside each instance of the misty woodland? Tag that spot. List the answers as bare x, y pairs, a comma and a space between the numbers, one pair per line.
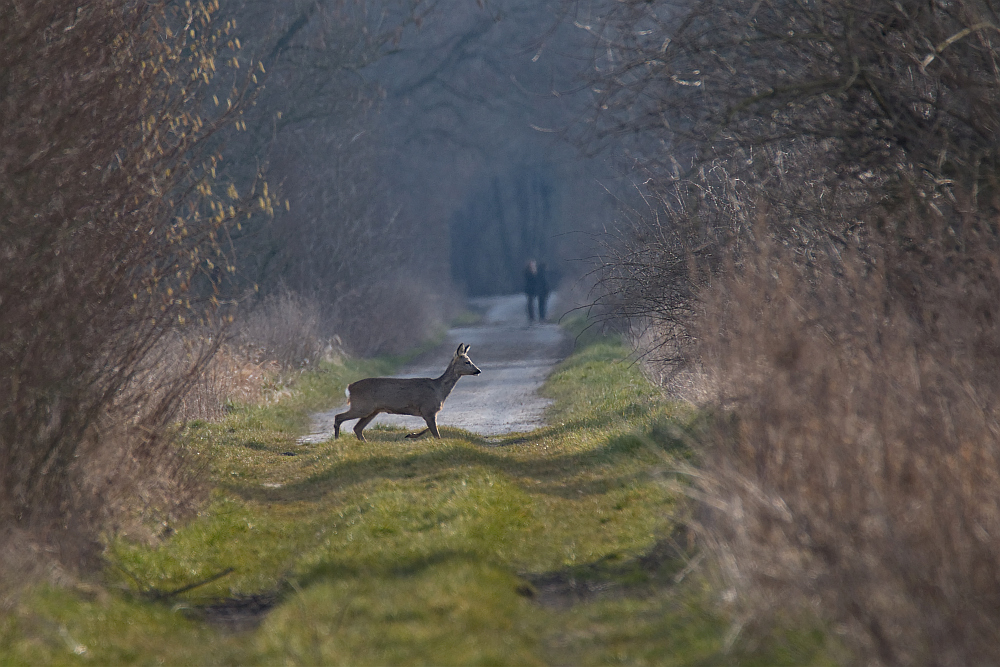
788, 210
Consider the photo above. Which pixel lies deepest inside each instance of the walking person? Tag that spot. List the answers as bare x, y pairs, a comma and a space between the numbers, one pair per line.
531, 287
542, 291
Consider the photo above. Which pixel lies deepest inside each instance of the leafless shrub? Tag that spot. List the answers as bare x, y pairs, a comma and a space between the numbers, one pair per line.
111, 237
389, 316
649, 267
285, 328
878, 82
858, 470
852, 337
817, 113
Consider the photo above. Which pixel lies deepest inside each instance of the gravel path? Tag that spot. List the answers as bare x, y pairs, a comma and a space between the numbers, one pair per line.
515, 358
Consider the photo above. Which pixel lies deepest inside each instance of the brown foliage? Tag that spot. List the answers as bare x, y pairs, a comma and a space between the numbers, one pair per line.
852, 337
858, 466
110, 238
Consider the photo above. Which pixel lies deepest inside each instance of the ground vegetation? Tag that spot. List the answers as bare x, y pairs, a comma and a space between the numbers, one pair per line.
551, 547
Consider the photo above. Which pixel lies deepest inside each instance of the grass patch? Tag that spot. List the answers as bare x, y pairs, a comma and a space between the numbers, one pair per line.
559, 546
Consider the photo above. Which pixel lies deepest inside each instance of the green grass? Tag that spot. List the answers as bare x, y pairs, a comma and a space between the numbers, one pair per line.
549, 547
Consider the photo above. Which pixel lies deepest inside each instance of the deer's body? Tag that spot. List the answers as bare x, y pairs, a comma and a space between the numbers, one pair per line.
419, 397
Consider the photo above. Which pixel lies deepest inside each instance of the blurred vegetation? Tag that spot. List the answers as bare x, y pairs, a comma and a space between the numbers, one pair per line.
113, 233
815, 244
338, 241
136, 218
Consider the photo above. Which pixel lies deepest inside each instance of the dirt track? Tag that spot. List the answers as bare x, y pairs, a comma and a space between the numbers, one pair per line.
515, 358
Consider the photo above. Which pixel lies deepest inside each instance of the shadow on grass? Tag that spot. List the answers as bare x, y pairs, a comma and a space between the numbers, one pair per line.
553, 475
666, 564
386, 568
239, 613
243, 613
663, 566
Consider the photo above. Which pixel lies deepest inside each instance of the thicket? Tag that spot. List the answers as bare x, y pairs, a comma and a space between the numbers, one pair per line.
114, 238
149, 274
339, 240
819, 239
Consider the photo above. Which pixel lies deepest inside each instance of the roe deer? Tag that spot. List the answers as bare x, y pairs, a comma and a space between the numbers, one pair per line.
420, 397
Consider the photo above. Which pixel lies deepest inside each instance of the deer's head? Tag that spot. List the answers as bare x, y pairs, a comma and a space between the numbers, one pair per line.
461, 362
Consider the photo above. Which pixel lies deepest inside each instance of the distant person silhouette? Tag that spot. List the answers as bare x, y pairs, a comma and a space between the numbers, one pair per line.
542, 285
531, 287
536, 288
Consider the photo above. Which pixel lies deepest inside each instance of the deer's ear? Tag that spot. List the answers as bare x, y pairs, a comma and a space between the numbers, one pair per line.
466, 351
459, 351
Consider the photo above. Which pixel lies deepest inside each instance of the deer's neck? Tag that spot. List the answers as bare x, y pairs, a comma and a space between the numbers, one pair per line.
447, 381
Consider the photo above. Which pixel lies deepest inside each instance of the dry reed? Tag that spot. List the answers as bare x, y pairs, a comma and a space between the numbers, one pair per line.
857, 469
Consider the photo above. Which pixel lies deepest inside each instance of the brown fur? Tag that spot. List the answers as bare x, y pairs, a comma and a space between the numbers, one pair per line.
420, 397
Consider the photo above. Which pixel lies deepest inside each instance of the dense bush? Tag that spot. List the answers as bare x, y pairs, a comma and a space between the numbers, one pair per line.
112, 233
821, 245
822, 115
859, 469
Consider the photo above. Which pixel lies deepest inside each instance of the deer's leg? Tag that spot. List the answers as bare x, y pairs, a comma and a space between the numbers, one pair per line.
432, 425
360, 426
344, 417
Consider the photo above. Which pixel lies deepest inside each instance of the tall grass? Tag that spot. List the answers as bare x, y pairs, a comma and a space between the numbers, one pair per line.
264, 352
856, 469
